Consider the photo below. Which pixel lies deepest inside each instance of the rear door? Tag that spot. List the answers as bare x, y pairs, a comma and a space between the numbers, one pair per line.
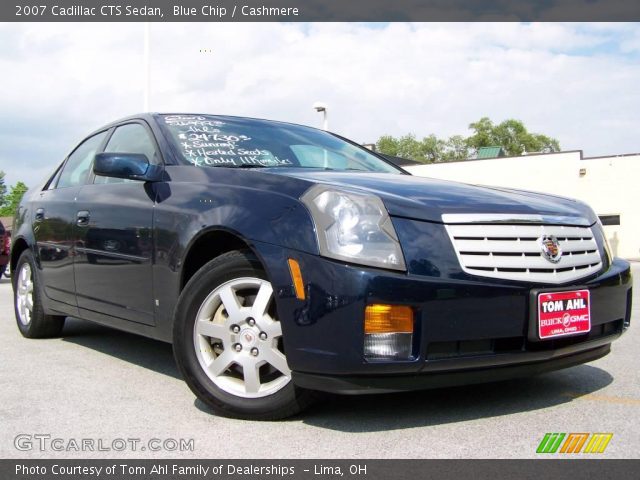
114, 235
53, 221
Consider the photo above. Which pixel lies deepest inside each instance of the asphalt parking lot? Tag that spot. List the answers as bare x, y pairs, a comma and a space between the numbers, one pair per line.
102, 384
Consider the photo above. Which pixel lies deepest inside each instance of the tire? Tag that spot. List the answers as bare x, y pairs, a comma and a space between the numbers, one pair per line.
227, 356
32, 322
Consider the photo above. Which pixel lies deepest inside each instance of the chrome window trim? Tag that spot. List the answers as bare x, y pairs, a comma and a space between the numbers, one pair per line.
513, 218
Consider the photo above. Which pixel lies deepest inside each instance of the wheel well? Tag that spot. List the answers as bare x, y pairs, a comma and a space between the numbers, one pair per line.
17, 249
208, 247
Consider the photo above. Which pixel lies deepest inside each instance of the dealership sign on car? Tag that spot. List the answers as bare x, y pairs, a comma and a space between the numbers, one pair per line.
563, 313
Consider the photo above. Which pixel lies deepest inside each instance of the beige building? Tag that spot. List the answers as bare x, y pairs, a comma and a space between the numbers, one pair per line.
609, 184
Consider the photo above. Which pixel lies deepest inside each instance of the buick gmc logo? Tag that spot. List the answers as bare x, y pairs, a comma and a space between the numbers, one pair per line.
550, 248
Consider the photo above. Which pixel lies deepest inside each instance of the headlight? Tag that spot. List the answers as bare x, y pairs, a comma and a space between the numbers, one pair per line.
354, 227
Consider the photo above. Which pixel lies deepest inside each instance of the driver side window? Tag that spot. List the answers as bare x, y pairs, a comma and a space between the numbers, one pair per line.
129, 138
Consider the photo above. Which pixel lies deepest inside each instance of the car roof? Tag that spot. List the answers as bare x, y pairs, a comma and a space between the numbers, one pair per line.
151, 116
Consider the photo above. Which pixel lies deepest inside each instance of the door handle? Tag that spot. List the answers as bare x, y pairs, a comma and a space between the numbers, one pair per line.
82, 218
39, 215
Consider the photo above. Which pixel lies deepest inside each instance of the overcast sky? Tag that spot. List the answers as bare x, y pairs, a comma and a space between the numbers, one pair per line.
576, 82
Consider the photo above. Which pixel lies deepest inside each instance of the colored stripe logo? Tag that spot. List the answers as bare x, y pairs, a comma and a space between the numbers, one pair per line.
574, 443
598, 443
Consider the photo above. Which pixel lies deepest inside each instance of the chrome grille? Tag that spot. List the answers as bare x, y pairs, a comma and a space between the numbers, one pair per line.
512, 251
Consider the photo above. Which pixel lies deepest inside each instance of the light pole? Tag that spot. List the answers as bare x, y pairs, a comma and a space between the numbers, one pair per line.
146, 61
322, 107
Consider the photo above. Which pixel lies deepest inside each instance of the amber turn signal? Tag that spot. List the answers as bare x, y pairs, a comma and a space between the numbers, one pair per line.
379, 318
296, 276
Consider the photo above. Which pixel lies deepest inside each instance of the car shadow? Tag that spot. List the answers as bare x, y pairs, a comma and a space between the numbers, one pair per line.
372, 413
142, 351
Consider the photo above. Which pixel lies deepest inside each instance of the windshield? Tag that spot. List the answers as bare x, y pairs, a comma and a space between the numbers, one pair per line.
212, 141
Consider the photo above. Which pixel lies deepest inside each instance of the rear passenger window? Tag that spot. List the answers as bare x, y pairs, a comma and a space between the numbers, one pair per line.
129, 138
76, 170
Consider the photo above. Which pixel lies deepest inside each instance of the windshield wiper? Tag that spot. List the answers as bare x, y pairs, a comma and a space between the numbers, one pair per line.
330, 169
248, 165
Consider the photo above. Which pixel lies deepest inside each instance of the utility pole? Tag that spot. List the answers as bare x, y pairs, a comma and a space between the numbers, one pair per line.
146, 61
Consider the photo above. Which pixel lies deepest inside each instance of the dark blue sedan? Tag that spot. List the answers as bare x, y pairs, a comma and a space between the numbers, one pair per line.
281, 260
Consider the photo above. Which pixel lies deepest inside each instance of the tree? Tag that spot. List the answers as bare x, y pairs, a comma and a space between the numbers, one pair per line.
456, 148
511, 135
409, 147
12, 200
387, 145
427, 150
432, 149
3, 189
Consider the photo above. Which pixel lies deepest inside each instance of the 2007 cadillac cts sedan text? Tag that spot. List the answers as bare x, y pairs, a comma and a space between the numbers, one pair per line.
281, 260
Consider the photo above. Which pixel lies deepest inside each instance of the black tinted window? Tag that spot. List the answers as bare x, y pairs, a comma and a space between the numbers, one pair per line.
76, 170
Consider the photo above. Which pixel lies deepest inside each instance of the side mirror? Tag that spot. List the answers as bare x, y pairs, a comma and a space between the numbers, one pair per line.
131, 166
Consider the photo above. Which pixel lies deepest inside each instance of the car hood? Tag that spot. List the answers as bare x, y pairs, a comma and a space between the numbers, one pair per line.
428, 199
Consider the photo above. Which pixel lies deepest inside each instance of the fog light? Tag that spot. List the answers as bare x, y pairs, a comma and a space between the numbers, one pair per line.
388, 331
388, 345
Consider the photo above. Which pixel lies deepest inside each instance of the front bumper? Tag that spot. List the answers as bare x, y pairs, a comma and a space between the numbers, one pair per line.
350, 385
467, 329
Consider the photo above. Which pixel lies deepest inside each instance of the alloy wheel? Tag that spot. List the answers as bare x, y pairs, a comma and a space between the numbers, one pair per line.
238, 339
24, 294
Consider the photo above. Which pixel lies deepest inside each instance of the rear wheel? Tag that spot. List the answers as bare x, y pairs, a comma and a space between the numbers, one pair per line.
32, 321
228, 342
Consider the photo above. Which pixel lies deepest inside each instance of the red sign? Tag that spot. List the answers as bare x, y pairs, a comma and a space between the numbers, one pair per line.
564, 313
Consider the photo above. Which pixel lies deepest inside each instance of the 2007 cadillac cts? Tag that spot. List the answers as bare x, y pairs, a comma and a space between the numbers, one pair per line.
281, 260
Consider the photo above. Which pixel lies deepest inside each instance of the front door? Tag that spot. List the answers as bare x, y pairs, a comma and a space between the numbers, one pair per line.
114, 236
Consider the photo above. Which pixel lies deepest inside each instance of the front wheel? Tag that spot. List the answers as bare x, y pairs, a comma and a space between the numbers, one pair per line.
31, 318
228, 342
